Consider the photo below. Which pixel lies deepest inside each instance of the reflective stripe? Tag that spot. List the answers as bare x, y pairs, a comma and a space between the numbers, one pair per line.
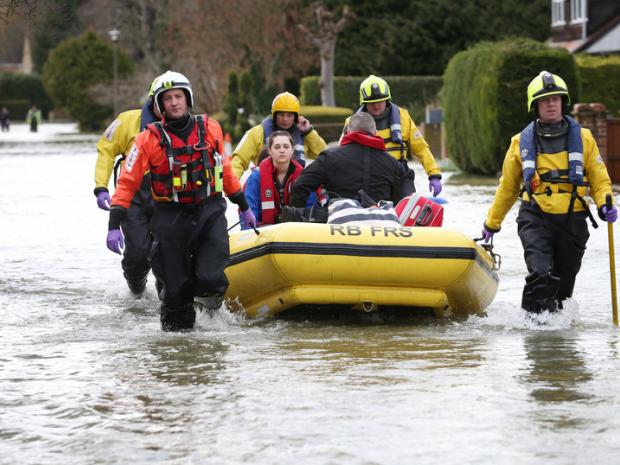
241, 142
131, 158
395, 127
575, 156
109, 132
268, 205
298, 147
529, 164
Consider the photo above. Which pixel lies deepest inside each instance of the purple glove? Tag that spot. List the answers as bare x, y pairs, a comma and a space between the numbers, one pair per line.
248, 220
610, 215
103, 200
434, 186
115, 240
486, 234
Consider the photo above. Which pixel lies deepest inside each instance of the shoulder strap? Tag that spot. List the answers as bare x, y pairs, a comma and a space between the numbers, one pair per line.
164, 138
201, 133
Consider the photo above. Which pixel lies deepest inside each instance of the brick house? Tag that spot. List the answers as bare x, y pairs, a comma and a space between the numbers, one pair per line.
590, 26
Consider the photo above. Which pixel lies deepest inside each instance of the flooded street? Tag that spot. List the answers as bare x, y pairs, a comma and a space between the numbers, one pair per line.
88, 377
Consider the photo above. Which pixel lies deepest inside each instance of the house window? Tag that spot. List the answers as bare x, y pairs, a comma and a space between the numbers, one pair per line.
557, 13
578, 11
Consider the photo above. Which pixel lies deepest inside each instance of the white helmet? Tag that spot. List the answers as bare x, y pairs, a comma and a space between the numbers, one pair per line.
167, 81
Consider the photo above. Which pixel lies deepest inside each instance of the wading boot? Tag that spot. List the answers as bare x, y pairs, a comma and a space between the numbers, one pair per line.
136, 286
539, 293
539, 305
209, 302
177, 319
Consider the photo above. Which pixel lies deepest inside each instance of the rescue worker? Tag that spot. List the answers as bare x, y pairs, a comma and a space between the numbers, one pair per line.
285, 116
268, 188
400, 134
188, 174
116, 140
551, 163
360, 162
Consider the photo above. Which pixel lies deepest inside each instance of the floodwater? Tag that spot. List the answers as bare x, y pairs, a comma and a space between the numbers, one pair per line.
88, 377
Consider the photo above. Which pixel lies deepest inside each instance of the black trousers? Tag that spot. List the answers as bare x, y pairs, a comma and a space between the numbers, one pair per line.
552, 244
408, 181
190, 250
137, 231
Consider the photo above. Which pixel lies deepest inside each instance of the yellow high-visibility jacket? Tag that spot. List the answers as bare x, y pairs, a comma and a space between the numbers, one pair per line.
413, 143
511, 182
251, 144
116, 140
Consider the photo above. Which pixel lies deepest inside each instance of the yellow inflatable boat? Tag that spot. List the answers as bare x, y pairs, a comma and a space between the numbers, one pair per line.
366, 267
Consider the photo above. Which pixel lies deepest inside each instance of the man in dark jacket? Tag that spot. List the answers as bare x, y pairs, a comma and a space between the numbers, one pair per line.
359, 163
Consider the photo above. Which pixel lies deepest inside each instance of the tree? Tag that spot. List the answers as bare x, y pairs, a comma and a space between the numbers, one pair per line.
10, 7
246, 102
419, 37
73, 69
231, 103
145, 26
53, 22
260, 38
324, 39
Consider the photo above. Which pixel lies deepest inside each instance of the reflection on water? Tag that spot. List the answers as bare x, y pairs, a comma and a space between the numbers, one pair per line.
385, 357
186, 360
557, 370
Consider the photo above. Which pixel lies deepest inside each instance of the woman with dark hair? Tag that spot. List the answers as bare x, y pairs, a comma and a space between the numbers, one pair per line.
269, 186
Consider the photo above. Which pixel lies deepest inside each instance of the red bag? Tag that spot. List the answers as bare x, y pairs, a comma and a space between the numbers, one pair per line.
416, 210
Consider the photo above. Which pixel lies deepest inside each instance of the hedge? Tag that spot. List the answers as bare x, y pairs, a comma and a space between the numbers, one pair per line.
18, 109
319, 114
410, 92
328, 121
600, 80
485, 97
17, 88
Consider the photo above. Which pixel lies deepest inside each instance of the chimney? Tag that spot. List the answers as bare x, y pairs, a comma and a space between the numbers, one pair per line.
26, 55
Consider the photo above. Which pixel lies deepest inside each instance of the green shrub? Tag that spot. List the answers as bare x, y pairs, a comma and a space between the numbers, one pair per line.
600, 80
328, 121
323, 115
246, 101
17, 88
76, 65
17, 108
485, 97
231, 103
410, 92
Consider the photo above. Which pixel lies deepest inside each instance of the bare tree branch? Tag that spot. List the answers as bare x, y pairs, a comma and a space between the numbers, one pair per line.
324, 39
8, 9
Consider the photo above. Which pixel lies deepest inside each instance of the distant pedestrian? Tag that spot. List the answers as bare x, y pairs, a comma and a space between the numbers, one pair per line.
5, 121
33, 118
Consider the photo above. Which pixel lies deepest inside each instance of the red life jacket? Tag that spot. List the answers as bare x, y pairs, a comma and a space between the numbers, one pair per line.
270, 201
194, 169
